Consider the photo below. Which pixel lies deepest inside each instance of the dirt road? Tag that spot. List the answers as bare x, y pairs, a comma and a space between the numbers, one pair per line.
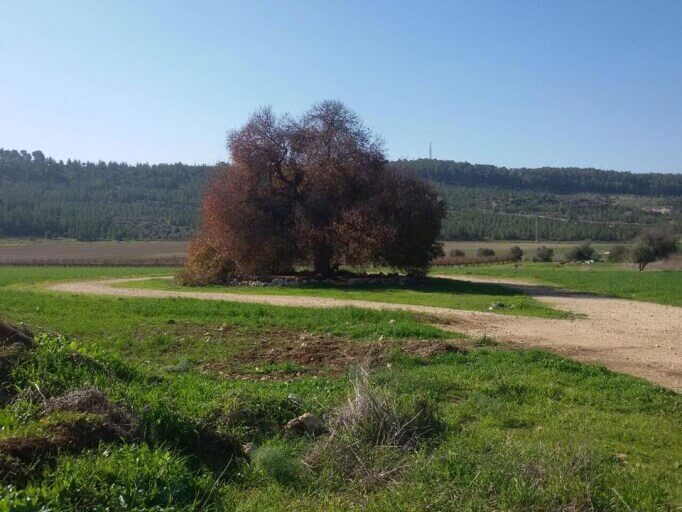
639, 338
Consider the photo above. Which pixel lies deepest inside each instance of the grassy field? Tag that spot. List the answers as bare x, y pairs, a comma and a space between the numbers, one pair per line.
55, 252
664, 287
444, 293
507, 429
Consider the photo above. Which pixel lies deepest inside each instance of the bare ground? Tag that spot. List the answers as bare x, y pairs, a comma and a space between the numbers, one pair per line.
639, 338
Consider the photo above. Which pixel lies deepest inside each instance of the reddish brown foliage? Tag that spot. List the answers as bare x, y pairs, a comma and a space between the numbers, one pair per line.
312, 191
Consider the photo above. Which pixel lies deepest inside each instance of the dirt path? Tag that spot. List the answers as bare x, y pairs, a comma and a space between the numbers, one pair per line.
639, 338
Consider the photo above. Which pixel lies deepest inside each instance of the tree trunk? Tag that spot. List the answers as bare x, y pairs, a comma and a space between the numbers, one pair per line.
322, 263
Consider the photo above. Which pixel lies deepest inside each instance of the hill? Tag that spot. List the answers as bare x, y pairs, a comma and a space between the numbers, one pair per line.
40, 196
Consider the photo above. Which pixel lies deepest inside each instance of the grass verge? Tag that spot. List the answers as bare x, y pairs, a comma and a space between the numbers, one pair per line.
444, 293
661, 286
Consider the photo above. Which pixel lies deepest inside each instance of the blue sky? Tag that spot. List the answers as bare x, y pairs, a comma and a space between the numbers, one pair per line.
516, 83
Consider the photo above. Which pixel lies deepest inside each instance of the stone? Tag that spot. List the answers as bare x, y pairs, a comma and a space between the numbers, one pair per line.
306, 424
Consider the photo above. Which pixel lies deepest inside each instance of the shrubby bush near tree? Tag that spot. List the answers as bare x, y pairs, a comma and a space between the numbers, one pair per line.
315, 191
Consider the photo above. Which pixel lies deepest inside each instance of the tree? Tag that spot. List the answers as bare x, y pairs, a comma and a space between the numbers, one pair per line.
516, 253
315, 191
653, 244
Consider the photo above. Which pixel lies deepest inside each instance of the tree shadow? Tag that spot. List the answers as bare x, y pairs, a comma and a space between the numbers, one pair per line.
427, 285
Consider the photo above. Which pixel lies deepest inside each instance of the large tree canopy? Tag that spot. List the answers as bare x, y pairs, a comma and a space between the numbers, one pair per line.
315, 191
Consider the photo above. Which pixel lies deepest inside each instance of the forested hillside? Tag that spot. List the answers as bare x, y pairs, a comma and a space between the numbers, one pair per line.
43, 197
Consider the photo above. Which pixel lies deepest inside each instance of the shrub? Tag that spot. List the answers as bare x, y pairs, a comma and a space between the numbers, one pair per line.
485, 252
516, 253
544, 253
206, 263
456, 253
583, 252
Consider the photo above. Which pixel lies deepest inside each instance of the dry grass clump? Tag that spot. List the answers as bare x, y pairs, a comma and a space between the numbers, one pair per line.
372, 415
371, 434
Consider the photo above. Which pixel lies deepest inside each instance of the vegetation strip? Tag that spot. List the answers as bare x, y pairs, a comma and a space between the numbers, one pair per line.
610, 331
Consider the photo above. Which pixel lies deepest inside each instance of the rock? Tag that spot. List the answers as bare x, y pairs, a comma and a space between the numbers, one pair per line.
306, 424
277, 282
248, 448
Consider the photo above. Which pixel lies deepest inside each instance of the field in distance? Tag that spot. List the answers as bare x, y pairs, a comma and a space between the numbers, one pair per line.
64, 252
16, 251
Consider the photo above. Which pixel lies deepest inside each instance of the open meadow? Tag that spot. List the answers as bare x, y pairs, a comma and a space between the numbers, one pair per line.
482, 425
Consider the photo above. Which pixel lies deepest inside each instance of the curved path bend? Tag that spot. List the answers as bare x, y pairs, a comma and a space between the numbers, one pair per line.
640, 338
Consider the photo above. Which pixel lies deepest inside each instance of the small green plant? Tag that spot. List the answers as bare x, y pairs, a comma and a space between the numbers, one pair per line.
278, 462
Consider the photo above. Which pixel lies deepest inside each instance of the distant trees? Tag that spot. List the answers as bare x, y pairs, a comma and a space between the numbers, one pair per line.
544, 253
516, 253
40, 196
561, 180
314, 190
653, 244
583, 252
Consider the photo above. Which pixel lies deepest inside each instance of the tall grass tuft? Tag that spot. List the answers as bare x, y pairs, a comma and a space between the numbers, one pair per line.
371, 435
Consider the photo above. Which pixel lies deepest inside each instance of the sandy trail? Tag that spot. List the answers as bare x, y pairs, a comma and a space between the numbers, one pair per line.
639, 338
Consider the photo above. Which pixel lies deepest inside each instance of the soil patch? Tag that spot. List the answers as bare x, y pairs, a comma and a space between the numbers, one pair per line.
287, 355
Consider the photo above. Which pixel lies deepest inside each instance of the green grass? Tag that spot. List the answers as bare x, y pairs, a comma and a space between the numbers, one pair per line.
521, 430
662, 286
173, 330
445, 293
